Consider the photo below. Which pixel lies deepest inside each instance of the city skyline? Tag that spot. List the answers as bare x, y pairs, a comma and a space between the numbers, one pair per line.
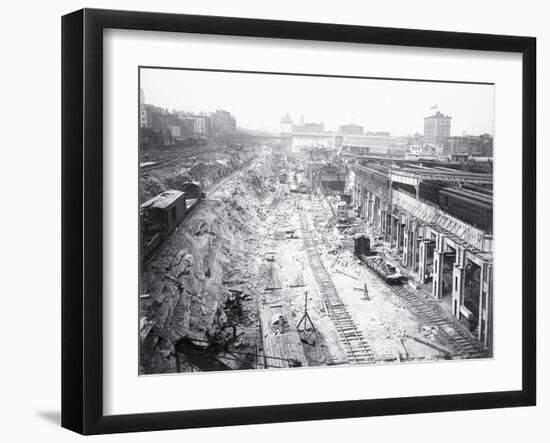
259, 101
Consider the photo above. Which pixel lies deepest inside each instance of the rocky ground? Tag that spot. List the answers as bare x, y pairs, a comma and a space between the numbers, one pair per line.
190, 281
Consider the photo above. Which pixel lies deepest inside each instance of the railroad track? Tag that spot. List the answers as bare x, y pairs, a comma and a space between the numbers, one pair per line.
176, 156
357, 349
466, 346
319, 216
158, 165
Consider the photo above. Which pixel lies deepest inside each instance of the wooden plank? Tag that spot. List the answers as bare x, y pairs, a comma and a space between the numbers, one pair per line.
282, 344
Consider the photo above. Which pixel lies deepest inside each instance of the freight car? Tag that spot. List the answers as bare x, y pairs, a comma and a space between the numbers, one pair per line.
471, 206
160, 216
166, 209
193, 190
384, 268
429, 190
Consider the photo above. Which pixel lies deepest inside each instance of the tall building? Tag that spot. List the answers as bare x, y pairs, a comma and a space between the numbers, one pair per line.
223, 122
201, 126
155, 126
286, 125
159, 118
437, 128
187, 126
194, 125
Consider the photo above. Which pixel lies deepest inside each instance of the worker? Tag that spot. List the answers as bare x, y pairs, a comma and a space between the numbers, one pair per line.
282, 324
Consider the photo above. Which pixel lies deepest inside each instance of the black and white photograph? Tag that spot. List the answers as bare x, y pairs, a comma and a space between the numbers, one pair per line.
230, 221
292, 220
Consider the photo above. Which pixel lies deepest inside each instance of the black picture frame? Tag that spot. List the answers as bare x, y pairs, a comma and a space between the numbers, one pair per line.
82, 215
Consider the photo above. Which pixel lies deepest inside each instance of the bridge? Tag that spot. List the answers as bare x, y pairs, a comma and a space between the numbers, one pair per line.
293, 141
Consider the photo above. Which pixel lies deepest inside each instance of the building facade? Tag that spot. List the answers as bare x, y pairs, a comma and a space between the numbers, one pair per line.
373, 143
477, 145
223, 123
309, 127
286, 125
142, 110
437, 129
351, 129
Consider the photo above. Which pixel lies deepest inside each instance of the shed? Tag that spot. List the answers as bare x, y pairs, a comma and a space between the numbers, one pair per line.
362, 244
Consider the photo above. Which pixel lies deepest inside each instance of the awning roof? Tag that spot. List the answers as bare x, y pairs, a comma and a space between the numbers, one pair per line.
163, 200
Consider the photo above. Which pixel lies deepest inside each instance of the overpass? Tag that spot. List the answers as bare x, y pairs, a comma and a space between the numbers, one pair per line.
293, 141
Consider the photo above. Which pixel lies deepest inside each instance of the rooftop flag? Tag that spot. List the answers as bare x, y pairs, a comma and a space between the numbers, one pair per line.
434, 107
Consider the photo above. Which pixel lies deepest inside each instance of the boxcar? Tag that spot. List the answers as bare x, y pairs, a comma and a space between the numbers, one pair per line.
472, 207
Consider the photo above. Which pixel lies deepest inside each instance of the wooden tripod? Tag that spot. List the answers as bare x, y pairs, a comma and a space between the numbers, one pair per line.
309, 329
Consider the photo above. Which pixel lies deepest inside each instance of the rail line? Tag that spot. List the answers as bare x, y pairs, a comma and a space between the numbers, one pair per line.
172, 157
467, 346
158, 165
357, 349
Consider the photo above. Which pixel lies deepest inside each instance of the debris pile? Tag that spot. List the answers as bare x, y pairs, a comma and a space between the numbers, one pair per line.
380, 265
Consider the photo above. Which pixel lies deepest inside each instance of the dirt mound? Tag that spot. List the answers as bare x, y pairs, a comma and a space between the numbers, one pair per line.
178, 178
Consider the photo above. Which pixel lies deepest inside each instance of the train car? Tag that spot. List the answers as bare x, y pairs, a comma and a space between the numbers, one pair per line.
193, 190
472, 207
342, 212
477, 159
384, 268
429, 191
167, 209
362, 245
160, 215
488, 190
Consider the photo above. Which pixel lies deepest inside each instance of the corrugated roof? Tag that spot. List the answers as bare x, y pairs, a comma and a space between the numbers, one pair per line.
163, 200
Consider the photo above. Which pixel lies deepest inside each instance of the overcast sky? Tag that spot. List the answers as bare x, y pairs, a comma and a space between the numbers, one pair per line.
259, 101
